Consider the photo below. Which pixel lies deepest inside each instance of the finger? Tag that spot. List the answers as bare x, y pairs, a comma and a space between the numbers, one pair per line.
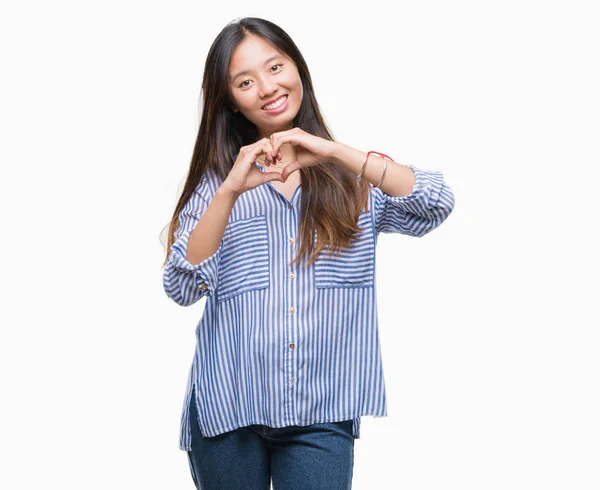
270, 157
266, 150
288, 169
275, 152
256, 149
275, 144
290, 137
270, 176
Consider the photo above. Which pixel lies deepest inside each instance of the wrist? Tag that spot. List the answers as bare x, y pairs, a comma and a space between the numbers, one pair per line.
227, 191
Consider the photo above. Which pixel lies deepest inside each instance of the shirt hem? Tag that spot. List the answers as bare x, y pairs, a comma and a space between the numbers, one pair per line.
301, 423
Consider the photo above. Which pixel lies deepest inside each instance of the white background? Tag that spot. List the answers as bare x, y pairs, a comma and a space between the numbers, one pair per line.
489, 331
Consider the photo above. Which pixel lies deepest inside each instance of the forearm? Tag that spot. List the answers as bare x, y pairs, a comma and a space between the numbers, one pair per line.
207, 234
399, 179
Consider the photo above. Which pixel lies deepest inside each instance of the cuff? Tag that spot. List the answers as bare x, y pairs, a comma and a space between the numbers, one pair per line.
205, 273
426, 191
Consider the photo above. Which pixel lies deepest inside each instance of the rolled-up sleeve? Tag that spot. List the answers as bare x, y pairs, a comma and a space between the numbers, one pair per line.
423, 210
183, 282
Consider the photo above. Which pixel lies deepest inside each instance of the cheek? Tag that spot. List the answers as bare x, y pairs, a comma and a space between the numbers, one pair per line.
245, 100
295, 82
299, 90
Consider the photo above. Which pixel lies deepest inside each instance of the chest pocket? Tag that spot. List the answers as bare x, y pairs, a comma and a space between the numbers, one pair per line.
351, 267
244, 262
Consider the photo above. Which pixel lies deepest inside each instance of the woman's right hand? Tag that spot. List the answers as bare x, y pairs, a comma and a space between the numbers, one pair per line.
244, 175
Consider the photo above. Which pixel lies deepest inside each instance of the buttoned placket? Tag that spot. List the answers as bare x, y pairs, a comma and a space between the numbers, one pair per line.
291, 225
291, 317
291, 361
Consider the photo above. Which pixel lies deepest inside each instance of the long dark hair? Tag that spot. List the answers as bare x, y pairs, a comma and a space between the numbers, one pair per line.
331, 200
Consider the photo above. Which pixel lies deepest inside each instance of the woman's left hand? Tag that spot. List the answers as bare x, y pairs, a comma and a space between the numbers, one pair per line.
309, 149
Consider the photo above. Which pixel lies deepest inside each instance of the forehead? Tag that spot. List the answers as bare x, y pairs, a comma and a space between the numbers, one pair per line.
251, 54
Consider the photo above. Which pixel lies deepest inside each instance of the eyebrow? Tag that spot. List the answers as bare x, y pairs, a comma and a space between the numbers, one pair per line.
246, 71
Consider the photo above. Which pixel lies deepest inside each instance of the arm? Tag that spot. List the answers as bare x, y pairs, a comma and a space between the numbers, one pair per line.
410, 201
192, 268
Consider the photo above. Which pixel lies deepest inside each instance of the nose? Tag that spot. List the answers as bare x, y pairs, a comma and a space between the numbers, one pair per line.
266, 87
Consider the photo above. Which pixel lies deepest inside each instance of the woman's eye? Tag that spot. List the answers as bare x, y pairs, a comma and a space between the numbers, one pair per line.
242, 84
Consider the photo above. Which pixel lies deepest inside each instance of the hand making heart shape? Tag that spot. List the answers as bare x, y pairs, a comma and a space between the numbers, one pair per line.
309, 150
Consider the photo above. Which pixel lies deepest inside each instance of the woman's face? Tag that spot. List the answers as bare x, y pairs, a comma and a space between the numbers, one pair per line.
267, 75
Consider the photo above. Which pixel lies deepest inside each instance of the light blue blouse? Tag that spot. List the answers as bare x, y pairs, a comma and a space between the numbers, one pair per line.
280, 345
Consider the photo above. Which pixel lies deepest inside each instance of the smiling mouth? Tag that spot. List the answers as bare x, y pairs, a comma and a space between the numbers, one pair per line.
281, 100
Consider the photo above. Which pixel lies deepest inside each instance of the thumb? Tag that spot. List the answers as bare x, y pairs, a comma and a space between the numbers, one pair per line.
288, 169
270, 176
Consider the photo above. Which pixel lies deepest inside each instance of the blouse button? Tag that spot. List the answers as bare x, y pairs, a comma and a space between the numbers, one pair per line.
292, 309
289, 206
291, 240
291, 346
203, 286
292, 275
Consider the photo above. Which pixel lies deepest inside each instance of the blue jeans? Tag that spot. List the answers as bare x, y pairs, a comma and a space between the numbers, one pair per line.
313, 457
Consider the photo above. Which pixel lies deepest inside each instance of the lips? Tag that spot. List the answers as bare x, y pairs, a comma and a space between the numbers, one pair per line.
272, 101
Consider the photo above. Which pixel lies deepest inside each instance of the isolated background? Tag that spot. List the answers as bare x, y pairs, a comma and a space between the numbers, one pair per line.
488, 325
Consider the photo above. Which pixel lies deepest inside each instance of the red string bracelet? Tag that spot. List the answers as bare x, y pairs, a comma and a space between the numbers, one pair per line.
385, 158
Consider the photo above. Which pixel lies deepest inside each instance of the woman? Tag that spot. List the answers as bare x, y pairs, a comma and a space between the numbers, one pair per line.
277, 226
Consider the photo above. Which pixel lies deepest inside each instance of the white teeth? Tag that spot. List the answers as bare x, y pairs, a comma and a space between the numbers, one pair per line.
277, 104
